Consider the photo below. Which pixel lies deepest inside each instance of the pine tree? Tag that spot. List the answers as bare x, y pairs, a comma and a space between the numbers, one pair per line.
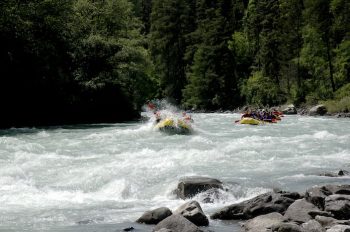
169, 28
212, 79
317, 14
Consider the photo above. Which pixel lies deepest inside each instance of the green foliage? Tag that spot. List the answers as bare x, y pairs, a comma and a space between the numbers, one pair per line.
342, 63
72, 61
343, 92
214, 66
336, 106
240, 46
341, 101
169, 21
260, 90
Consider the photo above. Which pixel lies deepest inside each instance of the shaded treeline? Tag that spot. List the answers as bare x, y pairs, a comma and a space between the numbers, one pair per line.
212, 54
71, 61
80, 61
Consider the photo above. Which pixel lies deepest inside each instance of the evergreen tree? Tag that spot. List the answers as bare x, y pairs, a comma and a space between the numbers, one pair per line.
291, 43
169, 27
318, 15
212, 79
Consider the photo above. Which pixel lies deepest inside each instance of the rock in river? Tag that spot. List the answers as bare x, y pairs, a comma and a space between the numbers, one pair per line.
318, 110
190, 186
154, 216
263, 222
262, 204
194, 213
317, 195
338, 205
290, 109
176, 223
302, 211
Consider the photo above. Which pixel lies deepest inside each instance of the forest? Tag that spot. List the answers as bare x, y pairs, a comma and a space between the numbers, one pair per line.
87, 61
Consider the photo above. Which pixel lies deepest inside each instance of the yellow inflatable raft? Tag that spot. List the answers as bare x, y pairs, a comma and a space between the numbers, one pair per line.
171, 126
250, 121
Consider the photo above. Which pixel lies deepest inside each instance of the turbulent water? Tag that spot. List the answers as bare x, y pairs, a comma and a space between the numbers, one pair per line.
103, 177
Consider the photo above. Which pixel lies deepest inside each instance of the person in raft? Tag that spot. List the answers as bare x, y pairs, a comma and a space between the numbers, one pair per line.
186, 117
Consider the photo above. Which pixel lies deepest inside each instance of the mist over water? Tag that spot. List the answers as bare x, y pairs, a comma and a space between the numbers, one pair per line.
103, 177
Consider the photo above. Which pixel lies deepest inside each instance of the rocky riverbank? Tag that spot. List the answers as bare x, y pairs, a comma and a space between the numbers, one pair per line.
319, 209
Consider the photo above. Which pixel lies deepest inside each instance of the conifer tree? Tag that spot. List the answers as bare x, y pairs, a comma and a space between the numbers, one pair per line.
212, 79
169, 28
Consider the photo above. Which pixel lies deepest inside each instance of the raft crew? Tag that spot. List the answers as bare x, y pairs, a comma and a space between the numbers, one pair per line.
262, 115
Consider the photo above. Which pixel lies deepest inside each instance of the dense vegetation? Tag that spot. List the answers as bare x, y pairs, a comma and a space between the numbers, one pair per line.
69, 61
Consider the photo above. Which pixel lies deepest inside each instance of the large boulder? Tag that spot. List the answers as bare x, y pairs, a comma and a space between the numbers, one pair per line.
194, 213
329, 221
263, 222
318, 110
301, 211
312, 226
190, 186
176, 223
338, 205
317, 195
287, 227
290, 109
339, 228
154, 216
262, 204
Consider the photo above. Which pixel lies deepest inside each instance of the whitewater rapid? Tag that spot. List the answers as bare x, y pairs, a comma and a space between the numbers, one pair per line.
103, 177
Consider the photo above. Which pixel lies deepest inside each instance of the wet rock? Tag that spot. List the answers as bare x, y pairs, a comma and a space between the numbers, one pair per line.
318, 110
164, 230
90, 221
338, 205
129, 229
343, 173
190, 186
329, 221
317, 195
338, 174
290, 109
312, 226
287, 227
176, 223
262, 204
154, 216
263, 222
339, 228
194, 213
299, 211
211, 195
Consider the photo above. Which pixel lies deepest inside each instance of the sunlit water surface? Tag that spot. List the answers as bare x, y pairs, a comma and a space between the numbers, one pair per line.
103, 177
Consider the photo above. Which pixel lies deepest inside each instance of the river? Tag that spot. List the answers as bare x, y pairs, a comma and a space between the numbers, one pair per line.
103, 177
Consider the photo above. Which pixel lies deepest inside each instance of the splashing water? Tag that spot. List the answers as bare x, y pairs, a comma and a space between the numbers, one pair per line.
103, 177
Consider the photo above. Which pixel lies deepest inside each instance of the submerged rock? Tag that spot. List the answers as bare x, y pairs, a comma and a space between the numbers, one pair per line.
129, 229
190, 186
318, 110
176, 223
262, 204
154, 216
194, 213
263, 222
338, 174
